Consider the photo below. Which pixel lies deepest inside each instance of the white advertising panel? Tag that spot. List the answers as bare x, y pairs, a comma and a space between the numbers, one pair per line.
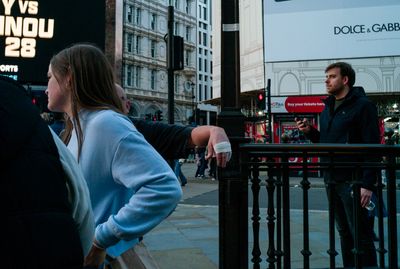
297, 30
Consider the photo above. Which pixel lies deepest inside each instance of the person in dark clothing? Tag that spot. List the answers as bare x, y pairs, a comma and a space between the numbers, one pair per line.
201, 162
212, 171
174, 141
348, 117
178, 171
40, 230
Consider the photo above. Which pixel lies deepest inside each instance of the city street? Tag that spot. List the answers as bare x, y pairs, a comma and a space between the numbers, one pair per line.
189, 237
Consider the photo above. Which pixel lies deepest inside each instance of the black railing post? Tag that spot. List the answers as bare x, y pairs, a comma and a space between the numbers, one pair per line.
270, 186
381, 248
305, 185
233, 210
331, 198
286, 213
255, 187
392, 218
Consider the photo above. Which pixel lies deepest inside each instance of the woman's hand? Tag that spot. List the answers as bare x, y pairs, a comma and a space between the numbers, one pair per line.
95, 257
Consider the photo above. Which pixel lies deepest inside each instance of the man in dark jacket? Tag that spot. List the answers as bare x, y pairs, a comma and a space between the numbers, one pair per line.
40, 231
348, 117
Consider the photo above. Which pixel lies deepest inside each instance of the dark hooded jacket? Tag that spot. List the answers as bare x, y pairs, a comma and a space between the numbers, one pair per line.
39, 229
355, 121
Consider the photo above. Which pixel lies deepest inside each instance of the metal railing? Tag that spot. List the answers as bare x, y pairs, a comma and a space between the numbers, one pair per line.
268, 165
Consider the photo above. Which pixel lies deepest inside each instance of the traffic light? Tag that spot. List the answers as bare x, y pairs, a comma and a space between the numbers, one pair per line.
178, 53
159, 115
260, 100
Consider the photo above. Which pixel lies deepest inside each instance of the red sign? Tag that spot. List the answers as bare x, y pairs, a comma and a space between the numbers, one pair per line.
298, 104
305, 104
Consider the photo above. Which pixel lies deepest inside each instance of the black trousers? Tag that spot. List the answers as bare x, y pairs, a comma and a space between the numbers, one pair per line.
344, 219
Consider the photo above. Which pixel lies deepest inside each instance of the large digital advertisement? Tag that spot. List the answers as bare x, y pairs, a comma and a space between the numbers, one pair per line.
31, 32
297, 30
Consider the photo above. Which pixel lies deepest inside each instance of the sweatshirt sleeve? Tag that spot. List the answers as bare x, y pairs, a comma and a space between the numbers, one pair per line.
156, 191
169, 140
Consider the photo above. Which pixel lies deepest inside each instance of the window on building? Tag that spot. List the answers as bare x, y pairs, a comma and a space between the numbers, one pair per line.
153, 76
153, 21
188, 33
211, 92
204, 39
137, 48
187, 58
205, 13
204, 26
205, 92
176, 4
129, 14
205, 78
129, 74
200, 93
153, 48
200, 38
177, 27
205, 52
176, 84
137, 76
205, 65
200, 51
200, 65
200, 77
138, 16
188, 6
129, 42
211, 67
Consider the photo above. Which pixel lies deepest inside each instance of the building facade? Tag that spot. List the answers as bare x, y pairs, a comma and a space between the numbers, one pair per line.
144, 57
380, 76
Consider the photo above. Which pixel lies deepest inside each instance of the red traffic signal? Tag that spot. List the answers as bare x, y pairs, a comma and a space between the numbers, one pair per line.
260, 100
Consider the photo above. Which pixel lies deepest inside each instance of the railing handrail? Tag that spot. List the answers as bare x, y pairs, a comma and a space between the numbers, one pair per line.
320, 147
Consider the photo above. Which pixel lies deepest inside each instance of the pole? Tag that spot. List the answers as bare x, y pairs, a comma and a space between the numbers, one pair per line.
233, 238
269, 111
170, 64
193, 108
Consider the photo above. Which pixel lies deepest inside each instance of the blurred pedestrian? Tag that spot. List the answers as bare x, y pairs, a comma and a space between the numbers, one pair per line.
200, 162
212, 170
178, 171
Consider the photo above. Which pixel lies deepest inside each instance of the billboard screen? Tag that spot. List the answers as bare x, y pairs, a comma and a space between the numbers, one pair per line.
31, 32
297, 30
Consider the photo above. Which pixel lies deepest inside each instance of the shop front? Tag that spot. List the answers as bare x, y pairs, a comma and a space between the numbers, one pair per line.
285, 110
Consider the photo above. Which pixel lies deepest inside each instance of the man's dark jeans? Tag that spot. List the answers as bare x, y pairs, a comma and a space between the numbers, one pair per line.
344, 214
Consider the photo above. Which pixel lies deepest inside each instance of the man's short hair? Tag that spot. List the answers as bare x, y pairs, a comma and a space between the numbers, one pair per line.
346, 70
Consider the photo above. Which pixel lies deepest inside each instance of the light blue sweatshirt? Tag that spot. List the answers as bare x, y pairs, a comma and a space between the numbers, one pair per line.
132, 188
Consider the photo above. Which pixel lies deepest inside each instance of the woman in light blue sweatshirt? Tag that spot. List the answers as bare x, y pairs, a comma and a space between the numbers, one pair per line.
132, 189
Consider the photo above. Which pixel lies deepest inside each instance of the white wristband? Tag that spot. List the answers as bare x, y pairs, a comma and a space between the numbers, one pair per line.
222, 147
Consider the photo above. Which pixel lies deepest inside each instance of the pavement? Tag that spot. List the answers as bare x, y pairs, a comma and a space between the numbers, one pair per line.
188, 238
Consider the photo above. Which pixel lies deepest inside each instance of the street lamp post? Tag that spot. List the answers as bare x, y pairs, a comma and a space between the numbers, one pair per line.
193, 106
